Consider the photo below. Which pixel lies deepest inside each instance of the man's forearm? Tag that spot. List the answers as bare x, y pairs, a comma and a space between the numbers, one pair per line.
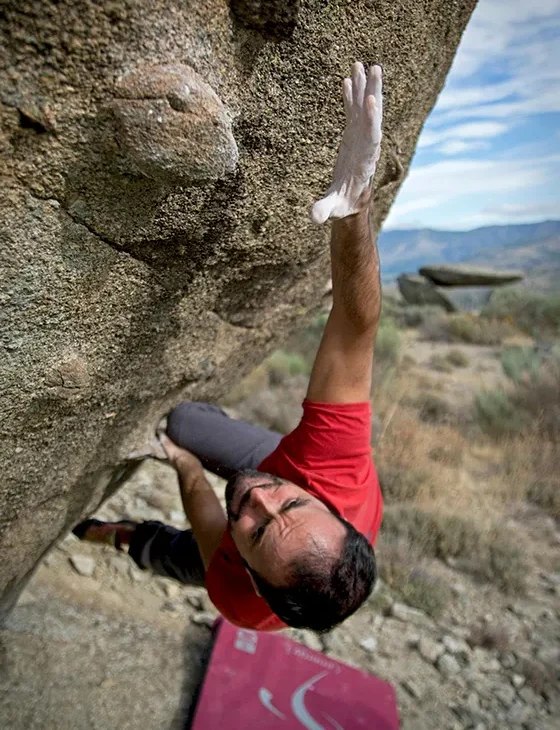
203, 511
355, 272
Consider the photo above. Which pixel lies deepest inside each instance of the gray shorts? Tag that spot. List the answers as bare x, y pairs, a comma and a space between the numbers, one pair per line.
224, 446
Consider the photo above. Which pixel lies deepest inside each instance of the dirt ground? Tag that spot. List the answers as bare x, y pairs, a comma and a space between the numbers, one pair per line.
95, 642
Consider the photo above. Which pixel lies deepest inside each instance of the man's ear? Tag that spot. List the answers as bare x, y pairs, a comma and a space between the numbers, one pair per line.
253, 582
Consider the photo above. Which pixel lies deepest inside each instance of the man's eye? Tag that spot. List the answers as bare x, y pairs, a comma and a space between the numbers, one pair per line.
258, 533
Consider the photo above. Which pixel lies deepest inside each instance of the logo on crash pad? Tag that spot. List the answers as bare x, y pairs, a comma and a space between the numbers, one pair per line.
298, 707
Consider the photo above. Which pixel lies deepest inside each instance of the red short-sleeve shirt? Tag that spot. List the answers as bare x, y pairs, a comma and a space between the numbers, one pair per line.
329, 455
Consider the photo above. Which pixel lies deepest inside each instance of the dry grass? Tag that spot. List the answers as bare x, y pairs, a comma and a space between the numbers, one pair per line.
441, 364
537, 314
411, 446
531, 472
404, 572
457, 358
489, 551
467, 328
432, 408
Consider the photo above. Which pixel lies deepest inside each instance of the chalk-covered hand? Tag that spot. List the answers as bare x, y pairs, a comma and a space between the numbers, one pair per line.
360, 147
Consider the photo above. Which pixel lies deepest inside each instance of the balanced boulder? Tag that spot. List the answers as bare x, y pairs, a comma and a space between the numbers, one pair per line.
463, 275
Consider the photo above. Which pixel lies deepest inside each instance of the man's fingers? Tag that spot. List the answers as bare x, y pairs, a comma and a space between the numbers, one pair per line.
358, 83
347, 96
375, 83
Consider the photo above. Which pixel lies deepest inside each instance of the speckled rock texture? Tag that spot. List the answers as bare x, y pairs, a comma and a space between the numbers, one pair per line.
143, 261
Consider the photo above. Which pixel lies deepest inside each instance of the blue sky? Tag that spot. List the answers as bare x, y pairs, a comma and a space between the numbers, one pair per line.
489, 153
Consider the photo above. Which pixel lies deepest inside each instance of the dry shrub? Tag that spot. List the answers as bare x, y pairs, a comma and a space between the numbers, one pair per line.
497, 415
468, 328
491, 553
387, 342
546, 495
457, 358
283, 365
403, 571
531, 471
400, 486
414, 315
537, 314
432, 408
441, 364
531, 404
490, 636
520, 363
476, 330
406, 454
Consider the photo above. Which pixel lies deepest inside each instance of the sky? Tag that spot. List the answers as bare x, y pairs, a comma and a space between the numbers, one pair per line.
489, 153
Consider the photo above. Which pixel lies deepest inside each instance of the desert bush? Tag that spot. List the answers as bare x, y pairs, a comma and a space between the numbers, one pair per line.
476, 330
404, 571
387, 342
533, 402
546, 495
520, 363
432, 408
457, 358
538, 399
492, 554
282, 365
531, 471
537, 314
441, 364
415, 315
467, 328
392, 306
400, 485
497, 414
409, 446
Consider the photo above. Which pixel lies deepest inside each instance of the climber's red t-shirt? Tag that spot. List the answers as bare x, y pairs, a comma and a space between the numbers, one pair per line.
329, 455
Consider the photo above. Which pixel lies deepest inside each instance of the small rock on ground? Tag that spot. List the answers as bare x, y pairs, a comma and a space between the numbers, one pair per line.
429, 649
83, 564
448, 665
204, 618
369, 644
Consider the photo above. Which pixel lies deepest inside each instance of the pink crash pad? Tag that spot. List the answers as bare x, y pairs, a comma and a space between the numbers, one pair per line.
267, 681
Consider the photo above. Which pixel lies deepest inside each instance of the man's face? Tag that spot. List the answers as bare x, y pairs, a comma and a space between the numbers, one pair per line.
273, 521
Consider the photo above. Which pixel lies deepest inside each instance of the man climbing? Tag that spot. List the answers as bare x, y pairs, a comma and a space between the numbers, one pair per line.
295, 547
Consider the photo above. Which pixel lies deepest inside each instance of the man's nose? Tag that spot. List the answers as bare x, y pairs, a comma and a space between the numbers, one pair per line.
263, 499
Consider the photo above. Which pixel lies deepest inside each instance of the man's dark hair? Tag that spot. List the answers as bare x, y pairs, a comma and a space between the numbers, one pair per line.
323, 591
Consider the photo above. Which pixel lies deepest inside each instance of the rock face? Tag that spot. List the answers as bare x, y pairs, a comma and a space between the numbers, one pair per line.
145, 261
462, 275
418, 290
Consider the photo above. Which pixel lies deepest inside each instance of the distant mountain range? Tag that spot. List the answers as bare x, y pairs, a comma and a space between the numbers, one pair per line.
534, 248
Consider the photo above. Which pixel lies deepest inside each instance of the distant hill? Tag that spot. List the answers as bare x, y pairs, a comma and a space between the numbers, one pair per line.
533, 248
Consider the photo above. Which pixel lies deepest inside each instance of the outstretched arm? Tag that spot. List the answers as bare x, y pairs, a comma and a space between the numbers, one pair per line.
202, 507
343, 367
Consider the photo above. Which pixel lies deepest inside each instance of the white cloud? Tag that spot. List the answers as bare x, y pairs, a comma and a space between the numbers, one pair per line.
498, 27
549, 209
459, 146
442, 185
519, 40
505, 75
473, 130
